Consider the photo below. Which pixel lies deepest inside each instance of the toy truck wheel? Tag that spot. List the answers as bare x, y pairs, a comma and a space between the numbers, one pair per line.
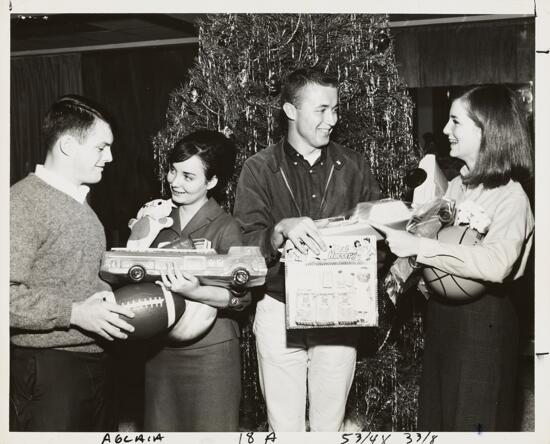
240, 276
136, 273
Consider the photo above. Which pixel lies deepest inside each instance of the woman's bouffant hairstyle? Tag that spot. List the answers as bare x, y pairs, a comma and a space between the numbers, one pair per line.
505, 151
216, 152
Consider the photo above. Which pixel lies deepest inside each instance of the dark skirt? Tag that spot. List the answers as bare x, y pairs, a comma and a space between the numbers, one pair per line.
193, 390
470, 365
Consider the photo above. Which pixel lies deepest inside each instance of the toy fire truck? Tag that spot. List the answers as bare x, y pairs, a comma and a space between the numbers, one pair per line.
240, 267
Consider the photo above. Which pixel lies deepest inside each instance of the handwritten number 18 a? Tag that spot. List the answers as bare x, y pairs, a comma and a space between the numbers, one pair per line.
249, 438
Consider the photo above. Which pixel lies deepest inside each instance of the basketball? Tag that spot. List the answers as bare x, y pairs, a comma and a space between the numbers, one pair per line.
448, 285
155, 308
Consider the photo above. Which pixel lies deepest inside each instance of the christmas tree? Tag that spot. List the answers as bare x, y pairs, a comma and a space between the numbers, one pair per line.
234, 88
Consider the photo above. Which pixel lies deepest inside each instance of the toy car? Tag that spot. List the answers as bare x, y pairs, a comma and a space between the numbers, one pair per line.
240, 267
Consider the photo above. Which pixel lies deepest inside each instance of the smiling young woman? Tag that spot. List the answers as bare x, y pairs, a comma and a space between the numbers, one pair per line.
194, 385
471, 345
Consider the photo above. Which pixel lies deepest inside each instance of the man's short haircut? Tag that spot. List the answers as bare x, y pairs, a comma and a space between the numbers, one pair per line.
505, 152
298, 79
71, 114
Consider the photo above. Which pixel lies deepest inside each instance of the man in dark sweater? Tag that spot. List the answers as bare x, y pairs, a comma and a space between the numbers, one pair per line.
282, 189
59, 307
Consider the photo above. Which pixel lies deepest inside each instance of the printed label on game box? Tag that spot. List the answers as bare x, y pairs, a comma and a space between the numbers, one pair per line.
336, 288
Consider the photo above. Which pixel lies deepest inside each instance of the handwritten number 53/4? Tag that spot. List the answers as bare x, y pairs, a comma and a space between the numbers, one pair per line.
384, 438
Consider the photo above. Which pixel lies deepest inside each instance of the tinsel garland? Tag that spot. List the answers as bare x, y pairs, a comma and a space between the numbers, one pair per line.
234, 88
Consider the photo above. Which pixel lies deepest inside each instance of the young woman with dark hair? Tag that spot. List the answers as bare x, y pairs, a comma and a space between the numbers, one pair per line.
471, 346
195, 385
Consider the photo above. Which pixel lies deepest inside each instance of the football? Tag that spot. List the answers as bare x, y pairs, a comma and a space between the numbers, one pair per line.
156, 309
448, 285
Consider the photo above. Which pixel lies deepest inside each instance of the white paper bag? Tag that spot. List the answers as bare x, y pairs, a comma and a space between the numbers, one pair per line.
435, 184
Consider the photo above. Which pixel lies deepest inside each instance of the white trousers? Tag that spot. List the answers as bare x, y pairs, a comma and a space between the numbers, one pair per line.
293, 364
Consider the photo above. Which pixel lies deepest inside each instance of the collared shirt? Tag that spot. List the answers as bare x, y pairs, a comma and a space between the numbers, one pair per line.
78, 193
308, 182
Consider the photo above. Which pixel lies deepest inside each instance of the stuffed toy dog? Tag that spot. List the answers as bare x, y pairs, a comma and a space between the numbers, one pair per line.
150, 220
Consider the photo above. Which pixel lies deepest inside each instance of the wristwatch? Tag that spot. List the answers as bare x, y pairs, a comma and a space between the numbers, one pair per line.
234, 302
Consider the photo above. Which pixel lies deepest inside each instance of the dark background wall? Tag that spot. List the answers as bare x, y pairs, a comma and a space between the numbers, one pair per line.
467, 53
35, 83
134, 86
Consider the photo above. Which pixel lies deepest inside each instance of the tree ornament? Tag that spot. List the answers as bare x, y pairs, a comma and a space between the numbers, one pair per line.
383, 42
223, 39
346, 91
227, 132
194, 95
243, 77
272, 84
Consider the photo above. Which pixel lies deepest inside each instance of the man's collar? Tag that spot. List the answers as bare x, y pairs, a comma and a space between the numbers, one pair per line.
78, 193
332, 149
293, 154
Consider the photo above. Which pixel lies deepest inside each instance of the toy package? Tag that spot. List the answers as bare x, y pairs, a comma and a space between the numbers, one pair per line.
391, 212
336, 288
